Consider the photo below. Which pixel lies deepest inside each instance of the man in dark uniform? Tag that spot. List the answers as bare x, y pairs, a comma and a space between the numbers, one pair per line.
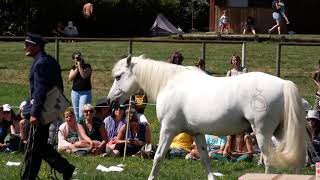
45, 73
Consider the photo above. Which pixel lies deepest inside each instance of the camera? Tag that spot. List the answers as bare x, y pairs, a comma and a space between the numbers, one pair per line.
79, 58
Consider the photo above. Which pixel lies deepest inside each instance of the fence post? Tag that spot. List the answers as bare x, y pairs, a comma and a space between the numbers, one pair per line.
278, 60
203, 51
57, 49
244, 61
130, 47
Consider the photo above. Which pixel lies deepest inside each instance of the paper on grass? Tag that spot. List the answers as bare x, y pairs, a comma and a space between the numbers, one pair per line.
110, 169
9, 163
217, 174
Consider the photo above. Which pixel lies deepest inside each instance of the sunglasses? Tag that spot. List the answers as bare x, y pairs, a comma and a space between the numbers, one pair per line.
91, 111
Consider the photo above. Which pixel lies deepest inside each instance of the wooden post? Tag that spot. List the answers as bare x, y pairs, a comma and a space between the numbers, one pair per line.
130, 47
278, 60
212, 14
244, 61
203, 51
57, 49
127, 130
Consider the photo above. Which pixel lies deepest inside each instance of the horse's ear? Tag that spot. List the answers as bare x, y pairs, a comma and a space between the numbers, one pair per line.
129, 59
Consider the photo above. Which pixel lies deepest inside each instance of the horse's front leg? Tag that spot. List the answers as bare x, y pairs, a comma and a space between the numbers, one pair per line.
165, 140
202, 148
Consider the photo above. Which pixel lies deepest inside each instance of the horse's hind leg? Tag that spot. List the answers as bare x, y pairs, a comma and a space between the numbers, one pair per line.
166, 137
264, 142
202, 148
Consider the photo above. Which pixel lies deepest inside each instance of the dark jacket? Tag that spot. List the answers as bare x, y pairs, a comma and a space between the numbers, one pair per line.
45, 73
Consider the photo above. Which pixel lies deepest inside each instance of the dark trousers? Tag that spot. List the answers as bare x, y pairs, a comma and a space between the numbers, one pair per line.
39, 149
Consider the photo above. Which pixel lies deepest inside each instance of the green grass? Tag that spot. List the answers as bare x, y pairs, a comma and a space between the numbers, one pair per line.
297, 65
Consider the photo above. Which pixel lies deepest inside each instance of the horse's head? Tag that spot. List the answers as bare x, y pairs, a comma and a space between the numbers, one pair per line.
124, 84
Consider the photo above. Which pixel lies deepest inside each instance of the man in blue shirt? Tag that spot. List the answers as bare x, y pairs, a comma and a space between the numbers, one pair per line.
45, 73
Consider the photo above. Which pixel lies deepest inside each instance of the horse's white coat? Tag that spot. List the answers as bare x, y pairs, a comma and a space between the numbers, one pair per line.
189, 100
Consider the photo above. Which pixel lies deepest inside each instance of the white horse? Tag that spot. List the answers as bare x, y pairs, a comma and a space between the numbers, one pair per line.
191, 101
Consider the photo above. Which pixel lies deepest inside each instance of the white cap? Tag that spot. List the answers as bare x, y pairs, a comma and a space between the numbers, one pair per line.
313, 114
6, 107
23, 103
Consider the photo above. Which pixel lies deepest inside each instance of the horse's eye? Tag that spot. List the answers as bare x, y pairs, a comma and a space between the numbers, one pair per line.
118, 77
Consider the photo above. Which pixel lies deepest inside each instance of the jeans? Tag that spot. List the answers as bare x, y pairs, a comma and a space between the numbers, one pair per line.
80, 98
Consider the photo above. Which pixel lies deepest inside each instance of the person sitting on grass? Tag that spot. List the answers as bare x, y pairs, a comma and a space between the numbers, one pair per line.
69, 136
181, 145
94, 129
113, 123
139, 134
215, 144
238, 148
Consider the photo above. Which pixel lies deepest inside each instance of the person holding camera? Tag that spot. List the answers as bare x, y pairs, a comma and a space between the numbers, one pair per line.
80, 75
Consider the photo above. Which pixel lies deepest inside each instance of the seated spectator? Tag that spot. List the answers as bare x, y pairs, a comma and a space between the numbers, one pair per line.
140, 99
71, 30
59, 30
69, 137
94, 129
249, 26
176, 58
23, 124
181, 145
215, 144
238, 148
235, 61
10, 115
314, 124
139, 134
113, 123
102, 109
6, 126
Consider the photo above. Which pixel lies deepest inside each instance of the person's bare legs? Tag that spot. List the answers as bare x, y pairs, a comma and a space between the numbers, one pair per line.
253, 31
286, 18
275, 26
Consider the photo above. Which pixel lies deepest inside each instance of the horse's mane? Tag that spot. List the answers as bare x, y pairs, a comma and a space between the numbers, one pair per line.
153, 75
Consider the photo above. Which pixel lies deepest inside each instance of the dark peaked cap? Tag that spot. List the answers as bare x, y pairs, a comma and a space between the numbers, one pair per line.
36, 39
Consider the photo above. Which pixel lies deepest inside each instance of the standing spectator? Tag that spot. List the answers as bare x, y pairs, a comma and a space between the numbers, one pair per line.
224, 22
316, 80
69, 136
102, 109
80, 75
235, 61
94, 129
201, 64
283, 11
58, 30
275, 16
176, 58
45, 74
71, 30
249, 26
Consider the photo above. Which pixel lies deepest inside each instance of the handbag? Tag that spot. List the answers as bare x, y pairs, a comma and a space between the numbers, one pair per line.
55, 104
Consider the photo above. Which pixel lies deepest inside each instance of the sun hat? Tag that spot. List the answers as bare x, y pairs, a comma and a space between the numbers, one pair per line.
313, 114
23, 103
6, 107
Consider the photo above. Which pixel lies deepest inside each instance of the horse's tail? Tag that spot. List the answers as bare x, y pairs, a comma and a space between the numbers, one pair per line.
291, 152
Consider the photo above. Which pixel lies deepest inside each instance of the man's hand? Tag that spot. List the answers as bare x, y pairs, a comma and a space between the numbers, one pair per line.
33, 120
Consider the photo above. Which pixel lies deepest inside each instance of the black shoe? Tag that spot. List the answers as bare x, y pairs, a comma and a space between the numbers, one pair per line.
68, 172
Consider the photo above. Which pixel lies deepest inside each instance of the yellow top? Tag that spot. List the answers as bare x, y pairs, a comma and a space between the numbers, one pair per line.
182, 140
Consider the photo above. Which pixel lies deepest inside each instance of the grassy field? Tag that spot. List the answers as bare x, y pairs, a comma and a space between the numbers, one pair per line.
297, 65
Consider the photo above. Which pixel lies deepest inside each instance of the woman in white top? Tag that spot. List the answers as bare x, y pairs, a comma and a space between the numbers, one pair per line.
235, 61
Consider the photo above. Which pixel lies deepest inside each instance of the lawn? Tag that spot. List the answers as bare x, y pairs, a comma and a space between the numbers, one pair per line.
297, 65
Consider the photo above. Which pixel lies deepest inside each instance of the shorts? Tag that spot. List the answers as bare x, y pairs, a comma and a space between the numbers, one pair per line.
276, 16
